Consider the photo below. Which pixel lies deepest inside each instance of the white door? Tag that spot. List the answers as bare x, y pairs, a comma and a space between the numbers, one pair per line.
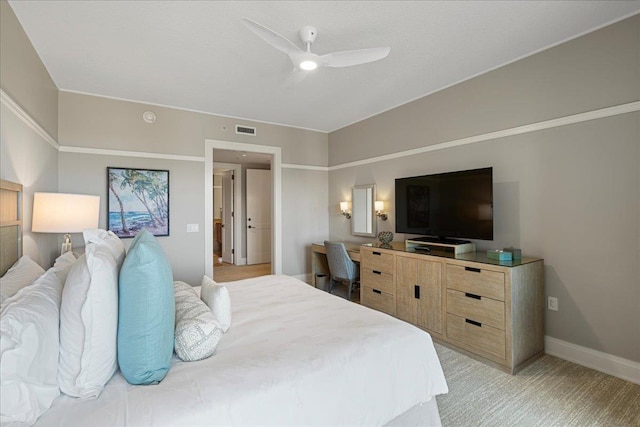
258, 216
227, 217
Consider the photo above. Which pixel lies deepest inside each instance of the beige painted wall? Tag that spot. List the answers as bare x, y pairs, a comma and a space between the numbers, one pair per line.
102, 123
25, 156
23, 75
569, 194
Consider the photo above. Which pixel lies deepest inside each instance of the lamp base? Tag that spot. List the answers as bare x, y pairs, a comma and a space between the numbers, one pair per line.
66, 244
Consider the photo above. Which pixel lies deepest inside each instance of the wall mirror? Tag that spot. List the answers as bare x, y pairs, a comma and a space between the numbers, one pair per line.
362, 210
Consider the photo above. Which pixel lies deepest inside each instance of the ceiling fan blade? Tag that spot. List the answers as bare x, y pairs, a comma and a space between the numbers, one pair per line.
354, 57
271, 37
294, 78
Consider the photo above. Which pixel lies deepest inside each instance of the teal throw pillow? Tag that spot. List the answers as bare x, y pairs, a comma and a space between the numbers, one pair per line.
146, 312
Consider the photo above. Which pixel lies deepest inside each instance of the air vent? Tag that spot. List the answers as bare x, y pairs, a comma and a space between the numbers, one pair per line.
246, 130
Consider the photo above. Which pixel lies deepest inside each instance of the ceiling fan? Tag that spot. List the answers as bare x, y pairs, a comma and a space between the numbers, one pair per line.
305, 60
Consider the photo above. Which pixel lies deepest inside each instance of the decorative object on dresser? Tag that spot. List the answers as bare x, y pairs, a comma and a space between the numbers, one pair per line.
137, 199
489, 309
64, 213
385, 237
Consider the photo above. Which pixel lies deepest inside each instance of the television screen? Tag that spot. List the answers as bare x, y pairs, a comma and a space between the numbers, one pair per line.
446, 205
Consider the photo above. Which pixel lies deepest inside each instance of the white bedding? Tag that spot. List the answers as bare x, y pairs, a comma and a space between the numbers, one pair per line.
293, 356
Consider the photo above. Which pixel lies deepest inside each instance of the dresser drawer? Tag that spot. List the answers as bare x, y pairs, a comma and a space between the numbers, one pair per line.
377, 261
480, 309
483, 338
378, 300
377, 280
477, 281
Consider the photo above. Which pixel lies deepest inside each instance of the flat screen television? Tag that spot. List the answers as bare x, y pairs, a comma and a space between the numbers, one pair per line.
446, 206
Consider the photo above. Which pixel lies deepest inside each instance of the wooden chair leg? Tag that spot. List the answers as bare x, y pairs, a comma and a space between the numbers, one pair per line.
350, 288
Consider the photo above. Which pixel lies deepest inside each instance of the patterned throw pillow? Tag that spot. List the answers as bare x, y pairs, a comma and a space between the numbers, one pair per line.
197, 330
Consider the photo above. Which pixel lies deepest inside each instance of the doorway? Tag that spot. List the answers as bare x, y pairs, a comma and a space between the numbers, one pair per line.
276, 215
227, 199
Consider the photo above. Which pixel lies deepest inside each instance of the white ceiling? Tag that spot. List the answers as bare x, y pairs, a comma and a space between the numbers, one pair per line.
197, 55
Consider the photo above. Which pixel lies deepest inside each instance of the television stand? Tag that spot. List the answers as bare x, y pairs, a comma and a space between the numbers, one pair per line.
450, 247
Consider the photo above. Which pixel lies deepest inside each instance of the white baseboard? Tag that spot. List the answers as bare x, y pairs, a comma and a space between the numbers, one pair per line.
603, 362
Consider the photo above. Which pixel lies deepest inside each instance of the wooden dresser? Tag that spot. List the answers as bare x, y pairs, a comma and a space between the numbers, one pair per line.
491, 310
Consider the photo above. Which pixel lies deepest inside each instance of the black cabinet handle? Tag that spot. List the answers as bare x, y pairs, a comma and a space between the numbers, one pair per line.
416, 292
376, 272
474, 296
376, 253
473, 322
475, 270
376, 291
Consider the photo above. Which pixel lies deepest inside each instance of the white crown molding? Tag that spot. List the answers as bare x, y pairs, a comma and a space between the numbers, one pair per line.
613, 365
519, 130
305, 167
16, 109
123, 153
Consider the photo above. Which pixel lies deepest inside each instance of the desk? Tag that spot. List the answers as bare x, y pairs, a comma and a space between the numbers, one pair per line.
319, 263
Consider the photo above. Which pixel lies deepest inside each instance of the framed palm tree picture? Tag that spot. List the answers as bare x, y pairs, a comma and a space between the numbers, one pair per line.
137, 199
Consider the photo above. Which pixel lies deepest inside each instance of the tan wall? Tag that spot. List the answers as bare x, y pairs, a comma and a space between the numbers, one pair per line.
102, 123
570, 194
23, 75
25, 155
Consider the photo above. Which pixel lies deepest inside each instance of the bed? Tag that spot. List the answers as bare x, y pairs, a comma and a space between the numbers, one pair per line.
294, 355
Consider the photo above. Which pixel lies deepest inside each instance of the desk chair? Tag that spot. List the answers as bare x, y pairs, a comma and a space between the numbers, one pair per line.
341, 268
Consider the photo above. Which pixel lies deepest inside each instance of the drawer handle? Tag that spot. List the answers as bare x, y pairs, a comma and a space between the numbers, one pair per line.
474, 296
376, 272
376, 291
473, 322
472, 269
416, 292
376, 253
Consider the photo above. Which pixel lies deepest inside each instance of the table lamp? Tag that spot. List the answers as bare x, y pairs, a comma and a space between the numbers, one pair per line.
64, 213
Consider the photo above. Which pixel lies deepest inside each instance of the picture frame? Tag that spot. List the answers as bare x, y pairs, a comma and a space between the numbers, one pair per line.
137, 199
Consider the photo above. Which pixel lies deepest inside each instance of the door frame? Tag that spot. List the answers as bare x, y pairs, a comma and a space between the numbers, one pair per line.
237, 207
276, 206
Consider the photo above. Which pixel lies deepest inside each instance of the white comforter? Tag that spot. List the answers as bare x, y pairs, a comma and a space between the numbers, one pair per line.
294, 355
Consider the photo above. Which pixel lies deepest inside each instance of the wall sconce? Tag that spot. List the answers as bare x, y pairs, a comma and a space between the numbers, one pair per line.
344, 207
64, 213
379, 208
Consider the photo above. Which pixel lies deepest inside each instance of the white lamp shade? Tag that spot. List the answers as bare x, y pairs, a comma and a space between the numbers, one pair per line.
379, 205
64, 213
344, 206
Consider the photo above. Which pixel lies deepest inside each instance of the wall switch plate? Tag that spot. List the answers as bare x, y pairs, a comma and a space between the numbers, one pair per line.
552, 303
193, 228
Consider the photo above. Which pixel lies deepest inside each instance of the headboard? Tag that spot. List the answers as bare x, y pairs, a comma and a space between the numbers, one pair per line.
10, 224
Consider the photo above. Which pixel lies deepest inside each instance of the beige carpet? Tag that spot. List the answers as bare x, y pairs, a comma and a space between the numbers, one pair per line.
549, 392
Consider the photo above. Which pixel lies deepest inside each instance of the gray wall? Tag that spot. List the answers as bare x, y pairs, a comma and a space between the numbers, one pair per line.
23, 76
100, 123
569, 194
25, 156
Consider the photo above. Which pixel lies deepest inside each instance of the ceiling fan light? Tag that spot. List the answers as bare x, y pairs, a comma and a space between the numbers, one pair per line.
308, 65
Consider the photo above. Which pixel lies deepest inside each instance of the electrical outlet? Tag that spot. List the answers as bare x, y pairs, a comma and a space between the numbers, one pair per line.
552, 303
192, 228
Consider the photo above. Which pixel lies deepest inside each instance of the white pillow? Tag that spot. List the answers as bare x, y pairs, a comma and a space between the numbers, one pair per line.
108, 239
21, 274
89, 323
29, 350
197, 330
217, 298
62, 265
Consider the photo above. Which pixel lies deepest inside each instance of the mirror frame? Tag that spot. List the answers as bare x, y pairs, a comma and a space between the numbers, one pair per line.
363, 212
